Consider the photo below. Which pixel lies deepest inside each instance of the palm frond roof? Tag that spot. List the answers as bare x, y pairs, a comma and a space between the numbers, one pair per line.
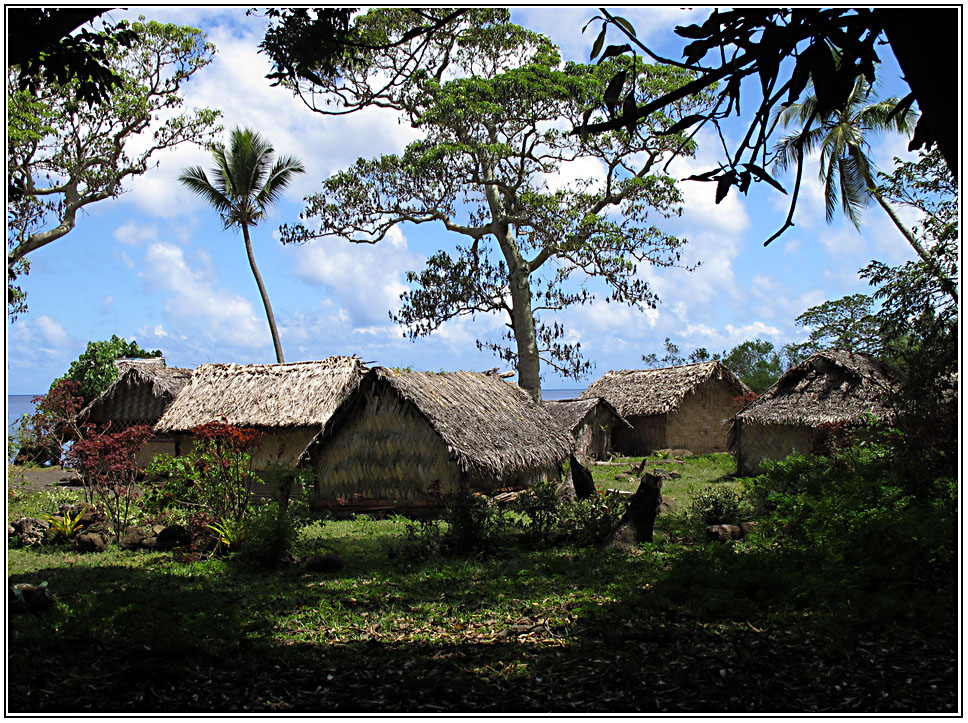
829, 386
647, 392
300, 394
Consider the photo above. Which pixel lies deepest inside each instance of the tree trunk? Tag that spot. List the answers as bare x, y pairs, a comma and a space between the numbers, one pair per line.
638, 522
522, 324
916, 245
265, 296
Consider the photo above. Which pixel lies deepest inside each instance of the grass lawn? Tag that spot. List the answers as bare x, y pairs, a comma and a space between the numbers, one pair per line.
682, 626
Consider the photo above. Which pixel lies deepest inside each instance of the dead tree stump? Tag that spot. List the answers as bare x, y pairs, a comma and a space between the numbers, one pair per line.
581, 478
638, 522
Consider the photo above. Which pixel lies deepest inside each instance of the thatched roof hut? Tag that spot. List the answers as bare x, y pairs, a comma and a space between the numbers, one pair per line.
405, 434
590, 421
289, 402
140, 395
828, 387
683, 406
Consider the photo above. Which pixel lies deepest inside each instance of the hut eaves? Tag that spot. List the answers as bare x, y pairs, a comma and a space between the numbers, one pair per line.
159, 385
568, 413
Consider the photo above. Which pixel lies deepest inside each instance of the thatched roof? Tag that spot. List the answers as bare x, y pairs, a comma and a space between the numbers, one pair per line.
141, 393
301, 394
830, 386
491, 427
568, 413
645, 392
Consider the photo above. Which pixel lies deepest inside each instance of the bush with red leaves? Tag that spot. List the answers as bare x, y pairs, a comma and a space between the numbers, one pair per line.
106, 464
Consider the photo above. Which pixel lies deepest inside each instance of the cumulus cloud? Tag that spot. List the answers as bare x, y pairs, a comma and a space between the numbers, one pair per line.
195, 306
363, 279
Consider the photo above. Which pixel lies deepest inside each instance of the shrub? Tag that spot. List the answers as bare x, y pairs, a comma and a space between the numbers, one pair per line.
108, 471
589, 522
715, 505
543, 508
473, 522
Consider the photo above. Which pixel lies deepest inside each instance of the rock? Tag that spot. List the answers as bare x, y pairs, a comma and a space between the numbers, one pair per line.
89, 541
204, 542
673, 453
24, 598
30, 531
324, 562
11, 531
133, 538
173, 536
725, 533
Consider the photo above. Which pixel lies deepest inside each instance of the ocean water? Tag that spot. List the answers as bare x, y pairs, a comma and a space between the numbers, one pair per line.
552, 394
18, 405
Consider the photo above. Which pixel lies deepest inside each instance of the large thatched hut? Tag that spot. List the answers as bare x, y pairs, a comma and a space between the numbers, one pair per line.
590, 421
828, 387
684, 407
289, 403
404, 436
140, 395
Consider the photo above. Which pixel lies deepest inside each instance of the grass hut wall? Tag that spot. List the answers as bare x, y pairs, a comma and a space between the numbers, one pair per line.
289, 403
830, 386
140, 395
686, 406
405, 434
590, 421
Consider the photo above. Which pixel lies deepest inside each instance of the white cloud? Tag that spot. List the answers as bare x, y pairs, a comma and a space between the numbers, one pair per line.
583, 174
136, 234
195, 307
365, 280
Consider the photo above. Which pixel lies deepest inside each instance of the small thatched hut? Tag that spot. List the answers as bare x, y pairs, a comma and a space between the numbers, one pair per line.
685, 407
140, 395
830, 386
290, 403
590, 421
404, 435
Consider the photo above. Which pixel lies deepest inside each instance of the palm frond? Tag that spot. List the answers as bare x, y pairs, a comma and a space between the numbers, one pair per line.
197, 181
279, 178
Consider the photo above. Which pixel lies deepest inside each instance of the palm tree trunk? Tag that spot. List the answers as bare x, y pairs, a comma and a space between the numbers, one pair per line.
265, 296
916, 245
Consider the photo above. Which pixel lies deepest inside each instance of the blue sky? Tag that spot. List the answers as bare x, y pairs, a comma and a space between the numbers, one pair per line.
155, 264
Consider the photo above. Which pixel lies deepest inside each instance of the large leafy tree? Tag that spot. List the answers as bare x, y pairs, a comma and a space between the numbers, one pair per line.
246, 180
490, 98
778, 51
847, 323
94, 370
63, 154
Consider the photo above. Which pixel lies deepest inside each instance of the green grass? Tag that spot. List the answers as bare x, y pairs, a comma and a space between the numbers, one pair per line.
531, 627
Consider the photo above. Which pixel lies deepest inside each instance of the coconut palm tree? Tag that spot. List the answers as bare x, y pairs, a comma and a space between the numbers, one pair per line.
846, 171
245, 182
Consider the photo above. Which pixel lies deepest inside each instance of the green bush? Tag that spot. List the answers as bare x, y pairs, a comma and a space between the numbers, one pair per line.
716, 505
589, 522
474, 523
542, 507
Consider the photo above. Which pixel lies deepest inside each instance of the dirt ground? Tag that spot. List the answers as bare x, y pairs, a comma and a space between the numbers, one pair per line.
39, 478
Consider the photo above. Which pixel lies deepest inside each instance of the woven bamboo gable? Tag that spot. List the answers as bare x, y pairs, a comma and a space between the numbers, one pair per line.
590, 421
140, 395
405, 433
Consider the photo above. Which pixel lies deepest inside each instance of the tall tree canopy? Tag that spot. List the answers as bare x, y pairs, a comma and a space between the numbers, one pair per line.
493, 100
780, 51
63, 155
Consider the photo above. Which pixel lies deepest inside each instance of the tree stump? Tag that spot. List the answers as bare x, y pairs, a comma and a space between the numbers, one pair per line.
581, 478
638, 522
